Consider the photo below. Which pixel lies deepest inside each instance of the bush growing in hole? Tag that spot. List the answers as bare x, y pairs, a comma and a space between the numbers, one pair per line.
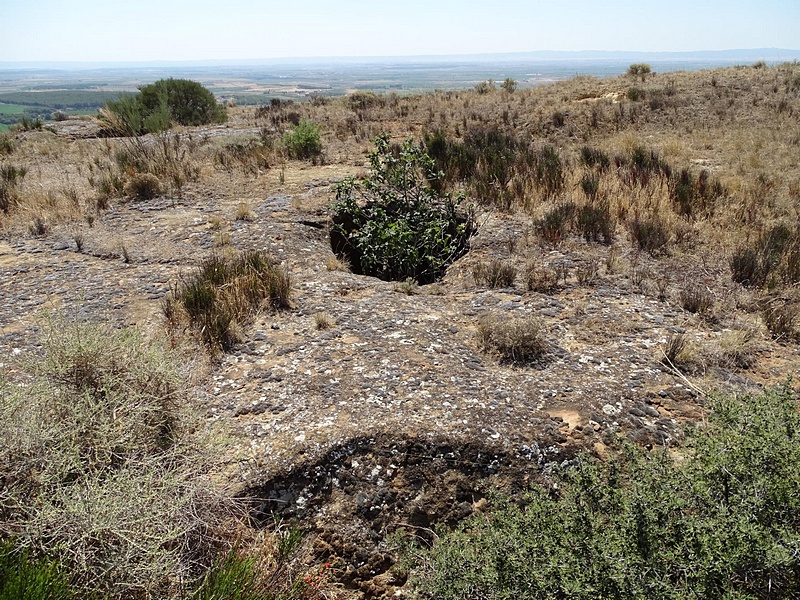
393, 224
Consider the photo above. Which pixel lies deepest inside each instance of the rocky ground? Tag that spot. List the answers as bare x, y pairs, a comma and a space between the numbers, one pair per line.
393, 416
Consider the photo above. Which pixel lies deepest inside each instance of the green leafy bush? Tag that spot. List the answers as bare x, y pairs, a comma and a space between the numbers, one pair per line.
303, 141
189, 102
158, 105
723, 521
393, 224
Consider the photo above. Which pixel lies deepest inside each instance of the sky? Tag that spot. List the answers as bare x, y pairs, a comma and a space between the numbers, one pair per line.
174, 30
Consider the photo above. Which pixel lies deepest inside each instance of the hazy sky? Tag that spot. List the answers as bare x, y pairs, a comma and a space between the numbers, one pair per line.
122, 30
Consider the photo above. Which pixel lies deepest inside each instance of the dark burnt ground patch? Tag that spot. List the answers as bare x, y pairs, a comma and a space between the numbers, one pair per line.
359, 492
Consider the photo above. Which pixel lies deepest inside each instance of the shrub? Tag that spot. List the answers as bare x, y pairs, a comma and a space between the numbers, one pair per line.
635, 94
303, 141
594, 158
775, 256
393, 224
650, 234
251, 156
10, 178
695, 196
696, 299
596, 223
509, 85
223, 295
781, 319
517, 340
590, 185
7, 144
27, 123
484, 87
541, 281
719, 521
101, 465
143, 186
359, 101
497, 274
557, 222
159, 104
639, 70
188, 101
548, 171
641, 166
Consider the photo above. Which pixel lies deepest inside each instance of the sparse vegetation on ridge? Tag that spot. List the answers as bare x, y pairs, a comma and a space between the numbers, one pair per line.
636, 247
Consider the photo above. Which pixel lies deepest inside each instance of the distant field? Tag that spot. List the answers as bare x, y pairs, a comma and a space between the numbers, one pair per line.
12, 109
4, 127
61, 99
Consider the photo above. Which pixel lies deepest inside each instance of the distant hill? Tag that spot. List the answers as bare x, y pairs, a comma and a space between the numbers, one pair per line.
732, 56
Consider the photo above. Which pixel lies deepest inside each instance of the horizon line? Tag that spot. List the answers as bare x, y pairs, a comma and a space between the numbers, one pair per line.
785, 53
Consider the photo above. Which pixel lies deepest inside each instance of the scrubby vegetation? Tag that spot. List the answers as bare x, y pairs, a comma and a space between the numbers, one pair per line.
158, 105
393, 224
544, 245
103, 472
720, 521
223, 294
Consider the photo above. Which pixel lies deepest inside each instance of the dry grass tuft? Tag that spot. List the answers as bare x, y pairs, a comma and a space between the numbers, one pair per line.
518, 340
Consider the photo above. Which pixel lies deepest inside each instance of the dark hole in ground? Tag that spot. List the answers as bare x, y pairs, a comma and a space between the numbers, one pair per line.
360, 491
428, 269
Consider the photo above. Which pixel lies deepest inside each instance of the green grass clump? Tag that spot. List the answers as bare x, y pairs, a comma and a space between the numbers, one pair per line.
303, 141
723, 521
223, 294
25, 578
